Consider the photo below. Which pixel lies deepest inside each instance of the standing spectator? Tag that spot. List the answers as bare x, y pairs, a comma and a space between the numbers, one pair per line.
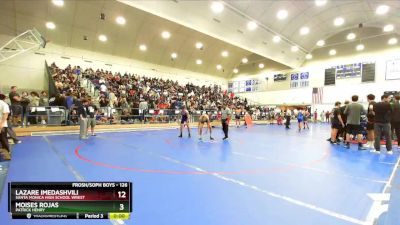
322, 115
327, 116
69, 99
370, 122
143, 106
112, 98
382, 112
315, 116
10, 130
396, 118
354, 111
16, 107
342, 130
4, 112
225, 117
24, 103
337, 123
43, 102
83, 119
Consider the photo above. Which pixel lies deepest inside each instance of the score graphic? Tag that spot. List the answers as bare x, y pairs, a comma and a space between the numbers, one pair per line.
72, 200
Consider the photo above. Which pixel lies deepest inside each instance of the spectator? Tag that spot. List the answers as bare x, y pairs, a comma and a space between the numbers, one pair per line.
25, 104
383, 112
16, 107
4, 112
353, 112
43, 102
396, 118
33, 103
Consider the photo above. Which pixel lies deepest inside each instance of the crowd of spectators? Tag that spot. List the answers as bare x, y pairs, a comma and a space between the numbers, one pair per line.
22, 105
127, 90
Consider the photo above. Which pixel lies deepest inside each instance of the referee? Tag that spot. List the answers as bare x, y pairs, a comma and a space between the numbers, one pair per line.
83, 113
225, 117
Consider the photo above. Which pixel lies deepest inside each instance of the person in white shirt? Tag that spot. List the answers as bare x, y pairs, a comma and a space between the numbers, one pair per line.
4, 112
103, 88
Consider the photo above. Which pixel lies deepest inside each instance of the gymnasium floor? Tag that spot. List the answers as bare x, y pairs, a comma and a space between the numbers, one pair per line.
262, 175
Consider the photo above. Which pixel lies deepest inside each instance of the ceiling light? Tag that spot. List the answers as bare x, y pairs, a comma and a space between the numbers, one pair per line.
199, 45
320, 2
382, 9
245, 60
360, 47
276, 39
351, 36
120, 20
219, 67
235, 70
321, 43
102, 37
260, 65
308, 56
199, 62
304, 30
58, 2
392, 41
50, 25
294, 48
338, 21
165, 35
174, 55
388, 28
282, 14
252, 25
332, 52
143, 47
217, 7
225, 53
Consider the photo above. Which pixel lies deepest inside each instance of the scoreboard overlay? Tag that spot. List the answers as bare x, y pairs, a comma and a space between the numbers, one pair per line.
70, 200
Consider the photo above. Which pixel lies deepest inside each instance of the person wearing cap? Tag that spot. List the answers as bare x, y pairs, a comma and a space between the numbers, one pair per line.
4, 112
204, 118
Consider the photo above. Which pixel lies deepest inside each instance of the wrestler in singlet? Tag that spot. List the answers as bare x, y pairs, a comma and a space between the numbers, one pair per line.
204, 119
184, 120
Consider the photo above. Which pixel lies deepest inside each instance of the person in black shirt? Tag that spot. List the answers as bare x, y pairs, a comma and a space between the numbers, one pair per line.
337, 123
92, 109
83, 113
342, 130
287, 117
16, 107
382, 111
370, 122
396, 118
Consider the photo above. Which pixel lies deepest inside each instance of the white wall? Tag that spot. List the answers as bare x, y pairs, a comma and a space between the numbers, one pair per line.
27, 70
342, 90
